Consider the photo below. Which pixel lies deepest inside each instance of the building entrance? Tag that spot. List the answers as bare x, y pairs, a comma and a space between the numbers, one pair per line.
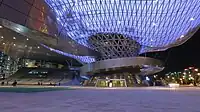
111, 83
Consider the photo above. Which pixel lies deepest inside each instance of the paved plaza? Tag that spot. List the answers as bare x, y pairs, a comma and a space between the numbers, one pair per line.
104, 100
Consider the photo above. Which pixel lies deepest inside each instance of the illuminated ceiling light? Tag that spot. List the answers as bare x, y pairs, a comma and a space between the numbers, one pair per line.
14, 38
1, 26
156, 0
154, 24
27, 39
3, 43
192, 19
2, 37
182, 36
119, 22
18, 29
38, 47
14, 44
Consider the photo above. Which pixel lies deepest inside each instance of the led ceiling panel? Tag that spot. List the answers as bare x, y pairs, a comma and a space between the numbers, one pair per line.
84, 59
152, 23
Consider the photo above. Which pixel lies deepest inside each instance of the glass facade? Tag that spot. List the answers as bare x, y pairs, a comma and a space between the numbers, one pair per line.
125, 79
31, 63
8, 66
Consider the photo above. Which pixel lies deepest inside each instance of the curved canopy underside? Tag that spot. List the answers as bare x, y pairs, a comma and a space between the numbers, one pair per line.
155, 24
152, 23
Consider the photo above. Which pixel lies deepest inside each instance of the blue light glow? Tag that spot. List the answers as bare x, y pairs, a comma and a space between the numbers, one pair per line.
153, 23
85, 59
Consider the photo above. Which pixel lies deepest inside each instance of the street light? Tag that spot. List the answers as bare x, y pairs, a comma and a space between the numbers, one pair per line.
185, 69
191, 67
196, 70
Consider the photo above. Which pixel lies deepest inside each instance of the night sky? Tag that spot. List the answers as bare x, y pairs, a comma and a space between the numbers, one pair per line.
185, 55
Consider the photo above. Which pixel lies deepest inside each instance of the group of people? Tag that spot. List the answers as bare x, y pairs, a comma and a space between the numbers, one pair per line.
13, 84
54, 84
40, 83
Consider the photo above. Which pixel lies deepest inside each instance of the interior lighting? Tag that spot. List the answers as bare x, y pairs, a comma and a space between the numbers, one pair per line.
191, 67
14, 38
1, 26
167, 76
173, 85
